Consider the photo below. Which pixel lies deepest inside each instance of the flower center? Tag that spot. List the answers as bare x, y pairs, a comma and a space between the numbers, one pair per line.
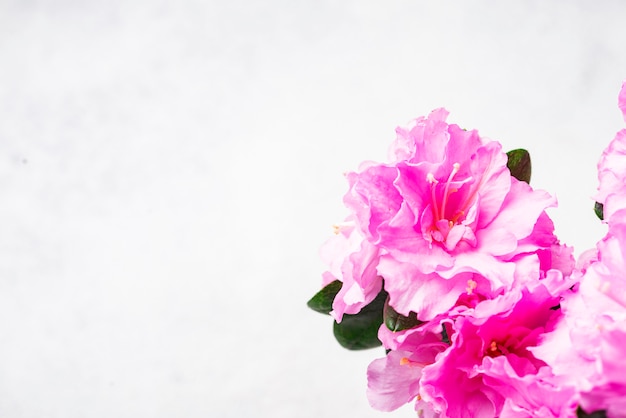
496, 349
444, 217
440, 212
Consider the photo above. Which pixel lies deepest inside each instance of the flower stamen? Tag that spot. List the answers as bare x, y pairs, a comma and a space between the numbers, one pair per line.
471, 285
455, 169
496, 349
457, 216
433, 182
405, 361
341, 226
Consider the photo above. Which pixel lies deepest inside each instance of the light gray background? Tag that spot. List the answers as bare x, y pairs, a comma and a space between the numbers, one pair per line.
168, 171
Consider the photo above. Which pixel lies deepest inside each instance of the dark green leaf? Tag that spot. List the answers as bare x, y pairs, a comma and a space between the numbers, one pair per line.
596, 414
396, 322
323, 300
360, 331
598, 208
519, 164
444, 334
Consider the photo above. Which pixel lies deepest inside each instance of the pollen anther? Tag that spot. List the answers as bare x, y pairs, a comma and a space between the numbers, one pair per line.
338, 227
471, 285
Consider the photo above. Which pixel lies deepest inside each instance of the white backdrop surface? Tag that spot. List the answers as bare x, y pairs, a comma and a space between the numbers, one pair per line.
168, 171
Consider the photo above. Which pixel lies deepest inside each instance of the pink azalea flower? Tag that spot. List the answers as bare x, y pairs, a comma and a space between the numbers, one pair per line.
587, 348
353, 261
490, 369
446, 208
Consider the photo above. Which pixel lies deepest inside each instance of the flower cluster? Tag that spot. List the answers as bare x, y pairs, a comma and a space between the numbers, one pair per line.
449, 254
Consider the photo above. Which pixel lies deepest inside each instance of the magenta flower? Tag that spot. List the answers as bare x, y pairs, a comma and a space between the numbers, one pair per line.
445, 209
587, 348
490, 369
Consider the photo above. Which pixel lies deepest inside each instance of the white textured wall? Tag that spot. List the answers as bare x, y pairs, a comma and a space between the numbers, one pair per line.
168, 171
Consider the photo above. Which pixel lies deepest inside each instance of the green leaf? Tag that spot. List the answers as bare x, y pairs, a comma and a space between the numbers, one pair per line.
596, 414
322, 302
397, 322
519, 164
360, 331
444, 334
598, 208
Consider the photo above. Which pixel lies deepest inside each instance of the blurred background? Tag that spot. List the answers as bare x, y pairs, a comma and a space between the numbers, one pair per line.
169, 170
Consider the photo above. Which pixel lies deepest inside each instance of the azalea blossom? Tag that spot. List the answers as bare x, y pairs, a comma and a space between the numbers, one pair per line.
508, 324
586, 349
446, 207
490, 369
